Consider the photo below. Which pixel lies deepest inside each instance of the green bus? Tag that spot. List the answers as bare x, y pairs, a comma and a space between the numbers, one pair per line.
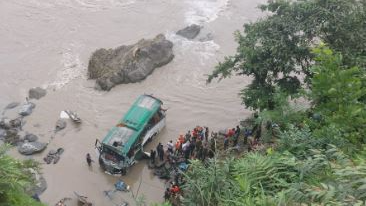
124, 142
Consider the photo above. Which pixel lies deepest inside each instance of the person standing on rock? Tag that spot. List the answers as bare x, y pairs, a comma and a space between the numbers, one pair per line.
88, 159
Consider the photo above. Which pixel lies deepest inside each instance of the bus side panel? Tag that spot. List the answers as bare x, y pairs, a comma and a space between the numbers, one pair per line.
153, 131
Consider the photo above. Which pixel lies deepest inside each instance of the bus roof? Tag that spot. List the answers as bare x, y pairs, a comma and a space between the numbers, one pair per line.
141, 112
128, 130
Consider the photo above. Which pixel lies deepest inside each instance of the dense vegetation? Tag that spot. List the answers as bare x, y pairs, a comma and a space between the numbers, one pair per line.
314, 50
14, 178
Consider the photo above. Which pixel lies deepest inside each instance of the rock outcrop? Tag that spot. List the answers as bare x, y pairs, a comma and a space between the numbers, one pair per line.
129, 64
37, 93
190, 32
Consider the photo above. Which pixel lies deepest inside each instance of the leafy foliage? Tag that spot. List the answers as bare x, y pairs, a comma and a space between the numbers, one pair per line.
336, 92
13, 179
277, 48
207, 183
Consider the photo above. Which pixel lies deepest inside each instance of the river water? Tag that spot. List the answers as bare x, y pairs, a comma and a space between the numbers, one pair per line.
48, 43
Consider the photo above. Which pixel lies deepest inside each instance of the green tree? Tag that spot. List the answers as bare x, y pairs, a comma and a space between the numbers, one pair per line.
336, 92
14, 178
275, 50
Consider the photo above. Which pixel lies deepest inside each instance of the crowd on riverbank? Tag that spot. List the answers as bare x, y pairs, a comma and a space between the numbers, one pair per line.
171, 160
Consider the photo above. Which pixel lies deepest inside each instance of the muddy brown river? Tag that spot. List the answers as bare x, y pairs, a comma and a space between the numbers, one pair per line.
48, 43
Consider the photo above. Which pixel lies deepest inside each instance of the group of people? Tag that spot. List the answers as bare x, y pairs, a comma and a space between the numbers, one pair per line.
194, 144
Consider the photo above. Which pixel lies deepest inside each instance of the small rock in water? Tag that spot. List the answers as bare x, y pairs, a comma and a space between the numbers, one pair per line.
190, 32
12, 105
27, 108
37, 93
60, 124
29, 148
30, 137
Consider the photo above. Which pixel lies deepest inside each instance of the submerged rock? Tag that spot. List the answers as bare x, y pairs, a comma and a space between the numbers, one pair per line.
37, 93
12, 105
190, 32
60, 124
129, 64
28, 148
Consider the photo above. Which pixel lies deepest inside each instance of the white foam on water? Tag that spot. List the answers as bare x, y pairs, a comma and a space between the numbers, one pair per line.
203, 49
204, 11
72, 67
93, 5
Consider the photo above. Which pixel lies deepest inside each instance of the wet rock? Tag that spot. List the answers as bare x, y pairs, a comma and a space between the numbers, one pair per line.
207, 37
28, 148
30, 137
60, 124
5, 123
27, 108
17, 122
37, 93
190, 32
12, 137
12, 105
129, 64
53, 156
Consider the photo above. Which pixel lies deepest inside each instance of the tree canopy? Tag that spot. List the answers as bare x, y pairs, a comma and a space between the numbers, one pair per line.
276, 50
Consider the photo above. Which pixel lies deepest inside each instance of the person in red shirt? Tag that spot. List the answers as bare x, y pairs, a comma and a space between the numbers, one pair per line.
174, 189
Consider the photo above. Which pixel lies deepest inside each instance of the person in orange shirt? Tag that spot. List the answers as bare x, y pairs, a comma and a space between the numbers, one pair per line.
177, 146
181, 139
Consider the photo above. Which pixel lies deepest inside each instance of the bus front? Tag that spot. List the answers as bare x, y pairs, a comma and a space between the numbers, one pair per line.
111, 156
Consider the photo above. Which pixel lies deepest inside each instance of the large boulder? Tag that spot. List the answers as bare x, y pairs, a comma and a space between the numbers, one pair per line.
37, 93
28, 148
129, 64
190, 32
